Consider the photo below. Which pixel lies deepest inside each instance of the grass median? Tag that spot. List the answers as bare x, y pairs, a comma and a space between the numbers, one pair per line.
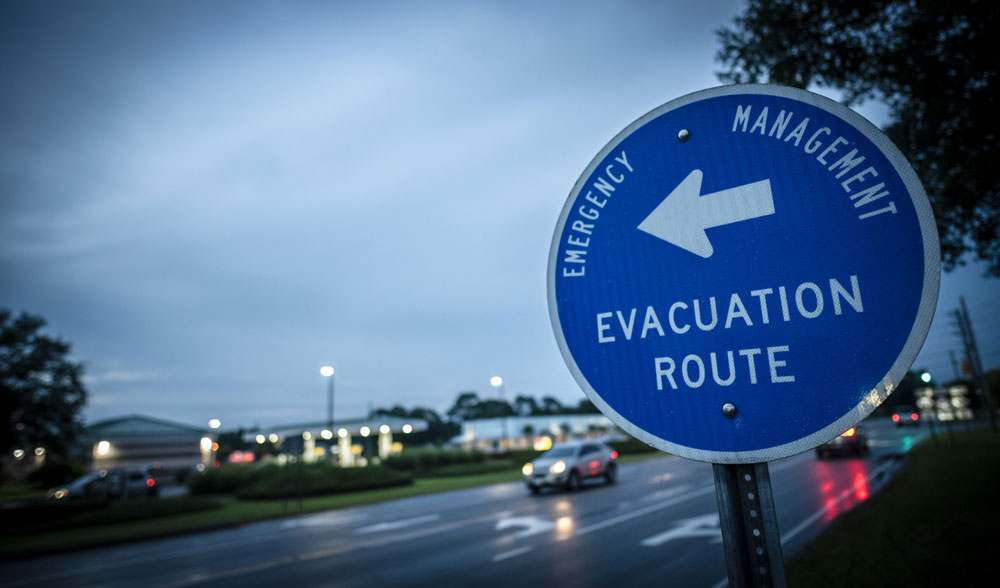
935, 524
232, 512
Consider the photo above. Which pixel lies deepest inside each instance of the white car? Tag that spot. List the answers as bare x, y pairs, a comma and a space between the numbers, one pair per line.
569, 464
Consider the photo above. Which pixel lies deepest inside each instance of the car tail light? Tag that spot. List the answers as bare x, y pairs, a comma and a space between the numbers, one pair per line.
614, 455
594, 464
150, 482
914, 417
895, 418
848, 433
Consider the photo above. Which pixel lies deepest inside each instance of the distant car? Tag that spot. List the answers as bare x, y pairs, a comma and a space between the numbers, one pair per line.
567, 465
851, 442
906, 416
117, 483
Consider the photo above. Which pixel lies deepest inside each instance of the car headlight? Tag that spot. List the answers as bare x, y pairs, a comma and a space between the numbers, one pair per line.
527, 469
558, 467
60, 493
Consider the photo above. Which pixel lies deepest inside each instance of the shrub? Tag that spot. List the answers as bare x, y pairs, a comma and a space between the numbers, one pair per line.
470, 469
54, 472
320, 479
522, 456
228, 479
631, 446
421, 461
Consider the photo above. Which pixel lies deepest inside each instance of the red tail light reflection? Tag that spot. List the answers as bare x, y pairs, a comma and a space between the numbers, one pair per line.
914, 417
860, 486
614, 455
150, 482
895, 418
831, 509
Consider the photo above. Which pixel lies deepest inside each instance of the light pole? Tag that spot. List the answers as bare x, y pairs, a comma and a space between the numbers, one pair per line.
327, 372
497, 382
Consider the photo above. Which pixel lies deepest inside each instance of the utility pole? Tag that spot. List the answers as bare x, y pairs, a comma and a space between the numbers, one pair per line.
972, 355
954, 364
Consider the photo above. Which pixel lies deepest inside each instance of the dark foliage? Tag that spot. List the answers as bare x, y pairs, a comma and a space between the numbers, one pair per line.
420, 462
55, 471
41, 392
934, 64
631, 446
273, 481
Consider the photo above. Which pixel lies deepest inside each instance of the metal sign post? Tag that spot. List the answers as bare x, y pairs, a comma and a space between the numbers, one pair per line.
738, 276
749, 524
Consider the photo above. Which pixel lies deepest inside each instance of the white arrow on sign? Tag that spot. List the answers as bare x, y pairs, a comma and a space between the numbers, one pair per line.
532, 525
703, 526
683, 216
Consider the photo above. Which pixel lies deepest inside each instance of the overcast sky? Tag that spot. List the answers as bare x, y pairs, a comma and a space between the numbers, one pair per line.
212, 200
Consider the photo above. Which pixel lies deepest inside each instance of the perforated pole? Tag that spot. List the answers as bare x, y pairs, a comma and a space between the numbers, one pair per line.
749, 524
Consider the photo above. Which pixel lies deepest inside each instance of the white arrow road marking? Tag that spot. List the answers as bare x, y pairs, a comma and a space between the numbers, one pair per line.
703, 526
393, 525
683, 216
511, 553
323, 520
532, 525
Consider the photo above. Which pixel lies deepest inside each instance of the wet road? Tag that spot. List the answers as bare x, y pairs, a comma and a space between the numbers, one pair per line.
658, 525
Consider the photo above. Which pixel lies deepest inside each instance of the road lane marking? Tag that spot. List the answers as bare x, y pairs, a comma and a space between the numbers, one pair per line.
700, 526
644, 511
532, 525
394, 525
332, 551
511, 553
324, 520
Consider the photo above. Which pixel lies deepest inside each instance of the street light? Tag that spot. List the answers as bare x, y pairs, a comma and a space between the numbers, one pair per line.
497, 382
214, 423
926, 377
327, 372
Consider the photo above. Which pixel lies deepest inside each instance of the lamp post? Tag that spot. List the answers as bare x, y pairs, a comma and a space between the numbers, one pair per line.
497, 382
327, 372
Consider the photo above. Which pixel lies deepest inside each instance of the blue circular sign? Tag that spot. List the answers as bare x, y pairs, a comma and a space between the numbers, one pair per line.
758, 248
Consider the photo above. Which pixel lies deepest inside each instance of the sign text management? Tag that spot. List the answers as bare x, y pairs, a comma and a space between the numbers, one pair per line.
838, 157
776, 304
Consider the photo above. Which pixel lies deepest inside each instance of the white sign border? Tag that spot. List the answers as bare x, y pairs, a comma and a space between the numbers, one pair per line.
918, 332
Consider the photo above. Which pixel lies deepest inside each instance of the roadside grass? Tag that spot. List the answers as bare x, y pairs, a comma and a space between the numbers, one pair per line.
233, 512
935, 524
15, 491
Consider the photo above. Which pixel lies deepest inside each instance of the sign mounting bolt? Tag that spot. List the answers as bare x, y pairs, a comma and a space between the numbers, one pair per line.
729, 410
683, 135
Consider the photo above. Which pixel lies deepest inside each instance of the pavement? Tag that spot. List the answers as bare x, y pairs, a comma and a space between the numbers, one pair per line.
657, 525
